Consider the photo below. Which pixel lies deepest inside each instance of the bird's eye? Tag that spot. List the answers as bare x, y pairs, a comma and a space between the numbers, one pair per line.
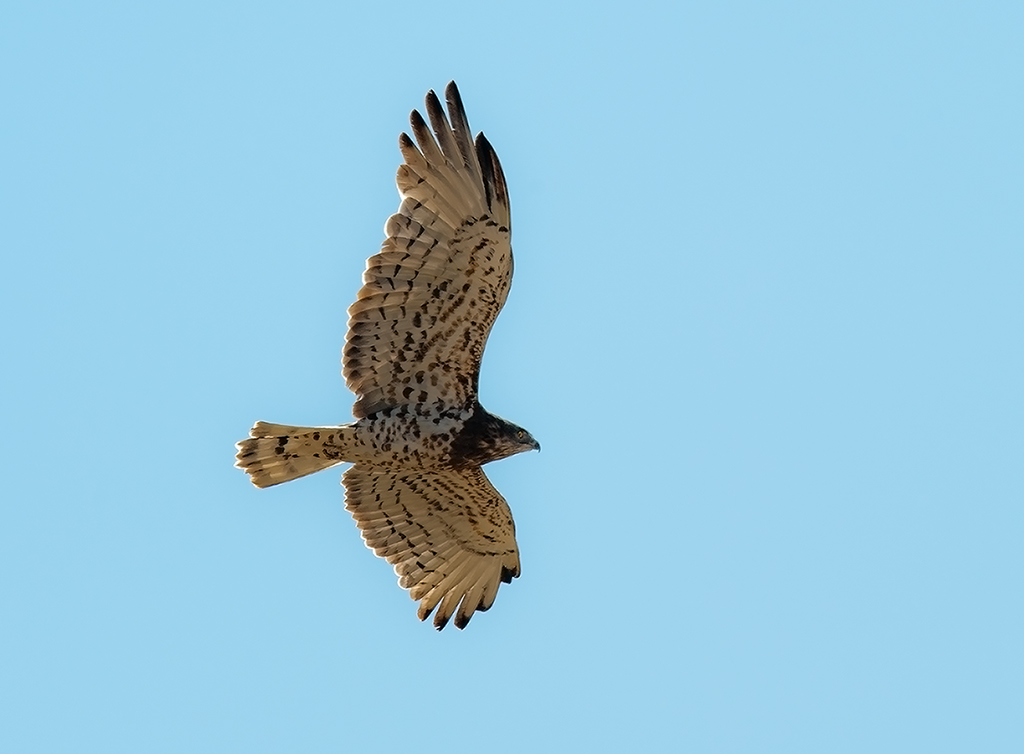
520, 434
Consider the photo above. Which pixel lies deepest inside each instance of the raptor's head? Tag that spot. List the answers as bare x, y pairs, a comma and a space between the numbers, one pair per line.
488, 438
502, 439
517, 439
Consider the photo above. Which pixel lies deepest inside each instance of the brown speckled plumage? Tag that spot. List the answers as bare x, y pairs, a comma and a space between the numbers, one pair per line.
415, 341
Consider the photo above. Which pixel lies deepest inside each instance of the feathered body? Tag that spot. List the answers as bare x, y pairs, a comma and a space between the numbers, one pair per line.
415, 341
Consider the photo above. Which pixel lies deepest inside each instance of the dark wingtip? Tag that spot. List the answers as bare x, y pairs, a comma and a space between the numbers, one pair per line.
434, 110
416, 120
453, 98
507, 574
494, 177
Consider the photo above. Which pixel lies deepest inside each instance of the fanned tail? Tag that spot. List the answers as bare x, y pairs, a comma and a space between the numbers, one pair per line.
276, 453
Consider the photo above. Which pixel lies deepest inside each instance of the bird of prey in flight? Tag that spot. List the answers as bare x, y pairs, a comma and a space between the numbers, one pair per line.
416, 336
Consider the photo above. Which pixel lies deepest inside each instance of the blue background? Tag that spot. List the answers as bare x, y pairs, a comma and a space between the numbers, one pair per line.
766, 322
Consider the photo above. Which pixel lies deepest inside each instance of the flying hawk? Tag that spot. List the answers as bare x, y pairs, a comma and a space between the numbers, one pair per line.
416, 335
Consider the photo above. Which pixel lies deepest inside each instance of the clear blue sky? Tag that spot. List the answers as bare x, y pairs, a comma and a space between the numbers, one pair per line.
766, 322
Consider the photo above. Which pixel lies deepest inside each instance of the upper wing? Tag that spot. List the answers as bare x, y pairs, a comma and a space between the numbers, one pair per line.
449, 535
417, 331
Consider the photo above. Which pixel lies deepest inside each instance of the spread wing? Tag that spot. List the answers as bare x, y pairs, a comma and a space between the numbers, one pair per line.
449, 535
417, 330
